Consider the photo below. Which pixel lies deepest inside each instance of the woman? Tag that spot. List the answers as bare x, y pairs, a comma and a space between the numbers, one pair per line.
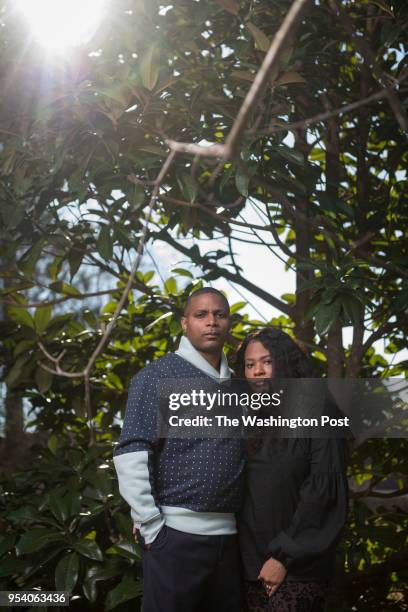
296, 497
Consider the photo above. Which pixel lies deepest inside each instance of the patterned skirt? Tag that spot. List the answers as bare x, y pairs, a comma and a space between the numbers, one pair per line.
290, 597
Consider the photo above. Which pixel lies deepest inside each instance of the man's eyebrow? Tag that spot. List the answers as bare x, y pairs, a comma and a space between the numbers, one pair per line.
209, 310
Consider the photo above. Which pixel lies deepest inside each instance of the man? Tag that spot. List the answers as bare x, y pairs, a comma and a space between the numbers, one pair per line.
183, 493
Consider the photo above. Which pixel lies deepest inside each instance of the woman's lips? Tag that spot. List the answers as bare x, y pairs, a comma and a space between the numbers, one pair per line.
258, 382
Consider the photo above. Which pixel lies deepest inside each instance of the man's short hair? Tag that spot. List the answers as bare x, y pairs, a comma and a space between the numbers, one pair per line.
204, 290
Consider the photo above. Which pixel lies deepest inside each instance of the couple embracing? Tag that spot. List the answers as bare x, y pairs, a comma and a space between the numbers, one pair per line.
227, 525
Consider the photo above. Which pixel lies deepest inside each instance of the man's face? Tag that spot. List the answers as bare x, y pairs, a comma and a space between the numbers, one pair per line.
206, 323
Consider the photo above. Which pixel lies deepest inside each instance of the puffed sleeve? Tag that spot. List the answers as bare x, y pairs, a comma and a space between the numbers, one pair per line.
322, 509
133, 456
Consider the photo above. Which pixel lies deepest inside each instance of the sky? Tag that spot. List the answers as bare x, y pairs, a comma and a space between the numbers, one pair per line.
261, 268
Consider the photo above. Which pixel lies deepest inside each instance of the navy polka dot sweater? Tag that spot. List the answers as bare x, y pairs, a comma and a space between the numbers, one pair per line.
196, 483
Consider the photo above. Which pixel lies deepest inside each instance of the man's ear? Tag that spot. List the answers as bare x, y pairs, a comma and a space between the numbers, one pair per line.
184, 323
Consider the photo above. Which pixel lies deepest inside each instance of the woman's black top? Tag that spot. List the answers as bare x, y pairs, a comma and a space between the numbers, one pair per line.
295, 505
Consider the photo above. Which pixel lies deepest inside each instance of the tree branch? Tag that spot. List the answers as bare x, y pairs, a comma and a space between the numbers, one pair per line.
86, 372
43, 304
230, 148
212, 213
234, 278
372, 63
342, 110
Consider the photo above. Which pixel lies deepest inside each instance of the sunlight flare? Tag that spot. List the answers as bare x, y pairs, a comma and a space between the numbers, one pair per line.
58, 24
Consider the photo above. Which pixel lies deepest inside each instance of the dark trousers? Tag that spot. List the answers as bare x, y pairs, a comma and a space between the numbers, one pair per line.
192, 573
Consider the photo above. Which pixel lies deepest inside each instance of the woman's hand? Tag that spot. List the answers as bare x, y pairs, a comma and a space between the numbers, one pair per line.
272, 575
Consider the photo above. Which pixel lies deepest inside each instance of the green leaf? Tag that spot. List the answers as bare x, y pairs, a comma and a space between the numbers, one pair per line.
232, 6
20, 316
10, 566
6, 544
182, 272
128, 588
91, 319
195, 253
334, 205
290, 298
35, 539
317, 154
55, 267
401, 300
125, 524
44, 559
73, 501
313, 283
163, 316
149, 68
74, 260
312, 265
96, 573
15, 373
148, 276
383, 6
237, 306
290, 77
170, 286
188, 187
291, 155
351, 308
119, 92
104, 243
53, 444
128, 550
66, 572
100, 481
43, 379
89, 549
28, 261
113, 381
243, 75
325, 316
151, 148
22, 346
66, 289
261, 40
136, 195
24, 515
242, 182
42, 317
12, 215
59, 507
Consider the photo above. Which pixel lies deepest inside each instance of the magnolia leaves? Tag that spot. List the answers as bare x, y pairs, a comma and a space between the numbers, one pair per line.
232, 6
330, 305
261, 40
104, 243
149, 67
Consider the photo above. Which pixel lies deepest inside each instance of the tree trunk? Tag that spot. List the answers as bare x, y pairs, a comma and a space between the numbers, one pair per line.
14, 441
304, 331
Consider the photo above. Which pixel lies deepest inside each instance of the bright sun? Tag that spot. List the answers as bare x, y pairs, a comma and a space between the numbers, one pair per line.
61, 23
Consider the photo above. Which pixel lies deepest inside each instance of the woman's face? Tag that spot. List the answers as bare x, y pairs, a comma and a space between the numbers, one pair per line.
258, 366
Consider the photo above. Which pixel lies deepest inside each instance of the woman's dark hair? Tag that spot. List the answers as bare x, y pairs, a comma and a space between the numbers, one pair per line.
289, 361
